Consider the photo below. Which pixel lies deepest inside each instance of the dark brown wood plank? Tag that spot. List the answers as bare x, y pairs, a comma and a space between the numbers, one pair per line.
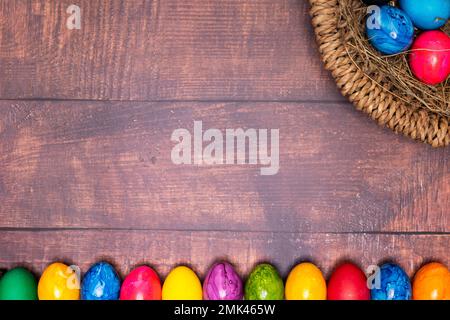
161, 49
163, 250
98, 164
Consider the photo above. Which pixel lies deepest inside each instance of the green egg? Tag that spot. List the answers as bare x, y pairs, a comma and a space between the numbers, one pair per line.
264, 283
18, 284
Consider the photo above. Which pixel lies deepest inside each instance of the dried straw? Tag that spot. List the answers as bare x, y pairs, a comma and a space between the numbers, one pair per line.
398, 79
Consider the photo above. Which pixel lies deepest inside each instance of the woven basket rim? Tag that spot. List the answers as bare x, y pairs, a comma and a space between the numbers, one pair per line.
365, 93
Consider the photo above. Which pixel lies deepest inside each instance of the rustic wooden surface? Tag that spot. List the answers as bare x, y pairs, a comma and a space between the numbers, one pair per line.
166, 49
200, 249
85, 123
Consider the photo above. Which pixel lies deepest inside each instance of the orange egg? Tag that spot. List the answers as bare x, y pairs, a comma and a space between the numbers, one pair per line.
432, 282
306, 282
59, 282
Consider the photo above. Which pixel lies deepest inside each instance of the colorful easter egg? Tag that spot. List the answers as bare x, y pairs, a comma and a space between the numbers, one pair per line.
306, 282
101, 282
264, 283
393, 284
427, 14
348, 282
182, 284
432, 282
222, 283
18, 284
430, 57
142, 283
59, 282
389, 30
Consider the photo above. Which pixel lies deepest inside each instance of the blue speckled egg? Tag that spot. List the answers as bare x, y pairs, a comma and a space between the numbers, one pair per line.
394, 284
389, 30
101, 282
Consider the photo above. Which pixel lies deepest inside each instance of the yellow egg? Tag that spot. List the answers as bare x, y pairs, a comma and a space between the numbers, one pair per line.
182, 284
59, 282
306, 282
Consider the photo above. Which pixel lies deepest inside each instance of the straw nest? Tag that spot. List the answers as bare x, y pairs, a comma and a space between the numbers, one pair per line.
382, 86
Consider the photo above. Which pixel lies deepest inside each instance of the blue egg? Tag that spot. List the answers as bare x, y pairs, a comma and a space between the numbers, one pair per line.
101, 282
389, 30
427, 14
394, 284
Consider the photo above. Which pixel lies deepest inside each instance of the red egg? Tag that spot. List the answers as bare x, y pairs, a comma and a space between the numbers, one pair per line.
348, 282
430, 57
142, 283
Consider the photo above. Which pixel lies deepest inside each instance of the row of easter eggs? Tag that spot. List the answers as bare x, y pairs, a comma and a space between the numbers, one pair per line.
305, 282
391, 31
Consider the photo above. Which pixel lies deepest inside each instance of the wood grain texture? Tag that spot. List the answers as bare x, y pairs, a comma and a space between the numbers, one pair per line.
161, 49
163, 250
82, 181
93, 164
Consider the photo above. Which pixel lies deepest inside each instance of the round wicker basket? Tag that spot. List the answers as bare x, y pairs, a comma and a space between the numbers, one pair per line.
372, 93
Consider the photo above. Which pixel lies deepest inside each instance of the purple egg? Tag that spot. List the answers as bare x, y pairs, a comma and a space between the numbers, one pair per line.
222, 283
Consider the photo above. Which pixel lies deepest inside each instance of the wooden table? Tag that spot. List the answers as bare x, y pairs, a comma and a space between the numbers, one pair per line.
86, 118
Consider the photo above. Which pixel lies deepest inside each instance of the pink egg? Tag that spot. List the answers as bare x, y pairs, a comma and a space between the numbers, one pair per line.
142, 283
430, 57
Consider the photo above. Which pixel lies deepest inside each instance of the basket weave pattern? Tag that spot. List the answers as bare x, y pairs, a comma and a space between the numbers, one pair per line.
368, 93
